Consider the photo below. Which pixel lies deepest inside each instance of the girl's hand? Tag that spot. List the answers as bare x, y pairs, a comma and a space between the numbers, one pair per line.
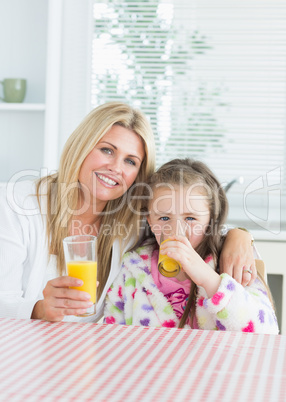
180, 249
237, 257
59, 300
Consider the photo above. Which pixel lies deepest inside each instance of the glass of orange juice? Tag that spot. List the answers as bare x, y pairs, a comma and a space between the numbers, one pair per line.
81, 262
167, 266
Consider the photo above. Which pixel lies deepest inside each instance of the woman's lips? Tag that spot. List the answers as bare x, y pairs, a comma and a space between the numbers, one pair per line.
107, 180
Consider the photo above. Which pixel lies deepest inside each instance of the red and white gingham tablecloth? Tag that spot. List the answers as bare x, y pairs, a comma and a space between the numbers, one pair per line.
42, 361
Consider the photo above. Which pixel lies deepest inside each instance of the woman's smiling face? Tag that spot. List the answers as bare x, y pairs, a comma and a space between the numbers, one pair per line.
112, 166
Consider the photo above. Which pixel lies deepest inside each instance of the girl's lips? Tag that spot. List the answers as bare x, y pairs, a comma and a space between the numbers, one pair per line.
106, 180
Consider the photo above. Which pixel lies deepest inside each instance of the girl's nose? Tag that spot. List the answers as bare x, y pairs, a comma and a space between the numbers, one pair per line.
180, 227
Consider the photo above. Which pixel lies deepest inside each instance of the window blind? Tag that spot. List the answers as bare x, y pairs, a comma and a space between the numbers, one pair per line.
211, 77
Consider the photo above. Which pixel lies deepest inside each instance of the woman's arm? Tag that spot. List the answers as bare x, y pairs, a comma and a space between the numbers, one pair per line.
13, 258
23, 258
237, 257
237, 308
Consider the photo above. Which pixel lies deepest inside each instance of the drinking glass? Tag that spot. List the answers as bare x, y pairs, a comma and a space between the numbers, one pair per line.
167, 266
81, 262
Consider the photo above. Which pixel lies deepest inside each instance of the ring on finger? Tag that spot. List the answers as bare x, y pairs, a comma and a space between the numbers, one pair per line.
248, 270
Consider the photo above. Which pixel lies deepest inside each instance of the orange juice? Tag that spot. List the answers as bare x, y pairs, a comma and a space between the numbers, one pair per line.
168, 266
87, 272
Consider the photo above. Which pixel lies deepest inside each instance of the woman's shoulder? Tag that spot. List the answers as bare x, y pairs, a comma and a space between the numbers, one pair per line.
20, 197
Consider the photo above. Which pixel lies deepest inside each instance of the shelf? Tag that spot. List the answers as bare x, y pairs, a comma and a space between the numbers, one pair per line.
19, 107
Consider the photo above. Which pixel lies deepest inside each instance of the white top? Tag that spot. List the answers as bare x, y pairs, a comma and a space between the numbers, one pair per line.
25, 266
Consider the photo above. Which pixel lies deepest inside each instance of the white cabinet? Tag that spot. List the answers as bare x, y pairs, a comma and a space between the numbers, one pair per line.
48, 42
23, 49
273, 255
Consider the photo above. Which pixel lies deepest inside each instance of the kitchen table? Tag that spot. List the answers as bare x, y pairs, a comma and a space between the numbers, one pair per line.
41, 361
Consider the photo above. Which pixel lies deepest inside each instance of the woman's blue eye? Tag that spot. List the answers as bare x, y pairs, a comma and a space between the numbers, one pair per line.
164, 218
130, 162
106, 150
189, 218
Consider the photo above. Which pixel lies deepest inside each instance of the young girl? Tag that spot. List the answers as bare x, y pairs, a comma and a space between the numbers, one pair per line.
186, 192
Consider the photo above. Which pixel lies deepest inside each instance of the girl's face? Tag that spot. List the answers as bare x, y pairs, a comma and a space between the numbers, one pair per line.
112, 166
177, 207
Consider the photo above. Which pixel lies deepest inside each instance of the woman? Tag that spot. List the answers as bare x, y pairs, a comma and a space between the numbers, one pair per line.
92, 193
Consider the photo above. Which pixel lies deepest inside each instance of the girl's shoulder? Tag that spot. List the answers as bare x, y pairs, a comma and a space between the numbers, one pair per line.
144, 251
140, 258
136, 265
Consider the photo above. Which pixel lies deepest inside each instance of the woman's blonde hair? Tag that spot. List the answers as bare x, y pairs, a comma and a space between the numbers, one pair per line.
62, 189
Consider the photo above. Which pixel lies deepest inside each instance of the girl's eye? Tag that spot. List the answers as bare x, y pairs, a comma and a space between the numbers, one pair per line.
189, 218
164, 218
106, 150
131, 162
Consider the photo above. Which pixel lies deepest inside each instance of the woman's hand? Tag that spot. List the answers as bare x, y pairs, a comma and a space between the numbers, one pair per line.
237, 257
59, 300
180, 249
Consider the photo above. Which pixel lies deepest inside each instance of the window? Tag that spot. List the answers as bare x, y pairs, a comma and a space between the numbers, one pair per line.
211, 76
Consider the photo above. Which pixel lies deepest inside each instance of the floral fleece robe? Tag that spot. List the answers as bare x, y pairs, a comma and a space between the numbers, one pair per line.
134, 299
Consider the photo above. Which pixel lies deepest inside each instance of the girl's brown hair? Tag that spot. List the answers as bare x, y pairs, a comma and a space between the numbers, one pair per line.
187, 172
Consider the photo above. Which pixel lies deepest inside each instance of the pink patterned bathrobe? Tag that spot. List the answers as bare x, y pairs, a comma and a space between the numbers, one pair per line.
134, 299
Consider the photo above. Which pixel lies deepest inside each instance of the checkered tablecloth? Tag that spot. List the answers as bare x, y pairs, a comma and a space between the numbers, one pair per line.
80, 362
